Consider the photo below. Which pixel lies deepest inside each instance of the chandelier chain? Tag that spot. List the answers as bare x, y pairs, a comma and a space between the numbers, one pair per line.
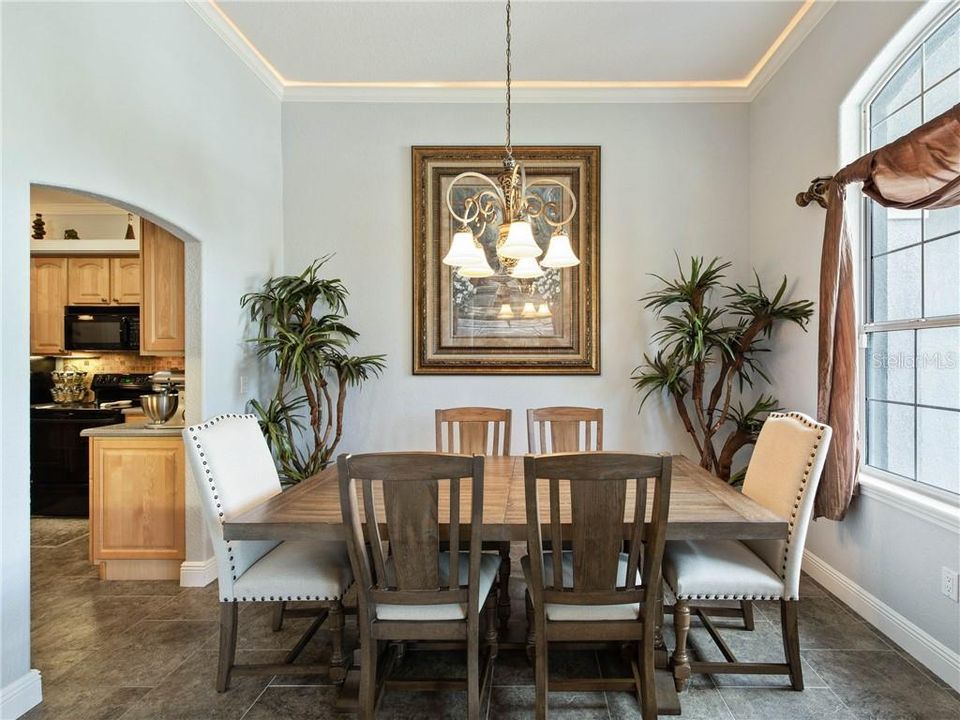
509, 145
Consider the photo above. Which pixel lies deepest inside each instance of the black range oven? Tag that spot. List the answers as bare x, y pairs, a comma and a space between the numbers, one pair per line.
59, 457
102, 328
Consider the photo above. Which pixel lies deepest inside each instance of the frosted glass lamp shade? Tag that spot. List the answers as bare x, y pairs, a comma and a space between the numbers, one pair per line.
463, 249
529, 311
559, 253
506, 312
543, 310
527, 267
477, 267
520, 243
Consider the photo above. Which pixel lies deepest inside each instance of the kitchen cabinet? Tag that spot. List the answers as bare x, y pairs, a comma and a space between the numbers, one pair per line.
88, 280
137, 507
162, 303
125, 280
48, 295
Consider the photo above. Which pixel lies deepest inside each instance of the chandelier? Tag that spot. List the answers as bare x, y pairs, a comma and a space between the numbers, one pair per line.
511, 204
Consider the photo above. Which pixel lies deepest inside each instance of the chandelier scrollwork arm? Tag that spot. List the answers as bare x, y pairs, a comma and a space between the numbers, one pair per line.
547, 207
482, 203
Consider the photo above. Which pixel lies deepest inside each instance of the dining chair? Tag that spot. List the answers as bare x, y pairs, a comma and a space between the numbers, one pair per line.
473, 430
571, 429
416, 591
480, 431
234, 470
783, 476
596, 592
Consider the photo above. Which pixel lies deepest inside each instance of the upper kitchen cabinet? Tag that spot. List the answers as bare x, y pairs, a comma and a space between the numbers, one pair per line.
162, 304
125, 280
48, 295
89, 280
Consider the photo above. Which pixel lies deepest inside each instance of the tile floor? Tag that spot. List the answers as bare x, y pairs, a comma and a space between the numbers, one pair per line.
148, 650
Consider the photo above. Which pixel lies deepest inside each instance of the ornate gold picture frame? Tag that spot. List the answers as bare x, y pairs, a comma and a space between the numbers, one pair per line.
549, 325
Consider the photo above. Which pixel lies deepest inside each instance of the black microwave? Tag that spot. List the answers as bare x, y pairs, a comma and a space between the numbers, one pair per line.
102, 328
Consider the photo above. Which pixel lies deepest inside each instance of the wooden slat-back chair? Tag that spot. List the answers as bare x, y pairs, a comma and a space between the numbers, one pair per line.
416, 592
473, 430
594, 591
480, 431
571, 429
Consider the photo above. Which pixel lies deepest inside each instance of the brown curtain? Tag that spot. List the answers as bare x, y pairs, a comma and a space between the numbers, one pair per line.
920, 170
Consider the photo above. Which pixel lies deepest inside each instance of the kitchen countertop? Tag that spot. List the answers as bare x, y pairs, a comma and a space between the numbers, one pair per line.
132, 429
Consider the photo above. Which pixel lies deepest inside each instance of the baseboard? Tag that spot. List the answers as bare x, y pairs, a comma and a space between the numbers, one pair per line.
933, 654
198, 573
19, 696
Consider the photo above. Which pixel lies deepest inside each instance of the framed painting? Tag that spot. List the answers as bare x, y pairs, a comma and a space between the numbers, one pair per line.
502, 324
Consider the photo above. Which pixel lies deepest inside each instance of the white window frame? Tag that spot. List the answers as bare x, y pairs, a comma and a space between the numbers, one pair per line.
922, 499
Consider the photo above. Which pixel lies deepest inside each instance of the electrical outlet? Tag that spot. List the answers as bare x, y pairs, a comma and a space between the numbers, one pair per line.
243, 384
948, 584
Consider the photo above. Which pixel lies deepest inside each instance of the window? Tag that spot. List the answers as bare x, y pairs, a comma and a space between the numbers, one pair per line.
912, 288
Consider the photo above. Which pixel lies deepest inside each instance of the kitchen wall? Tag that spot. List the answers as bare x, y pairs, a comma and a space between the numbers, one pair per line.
672, 178
143, 104
891, 550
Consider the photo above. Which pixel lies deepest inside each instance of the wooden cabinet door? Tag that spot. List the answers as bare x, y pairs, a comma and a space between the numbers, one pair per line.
48, 296
137, 498
161, 307
89, 280
125, 280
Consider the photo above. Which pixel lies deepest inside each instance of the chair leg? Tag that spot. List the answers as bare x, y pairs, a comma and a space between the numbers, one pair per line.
492, 634
746, 607
338, 671
681, 658
228, 644
504, 600
540, 667
473, 672
790, 626
368, 672
278, 609
648, 686
531, 632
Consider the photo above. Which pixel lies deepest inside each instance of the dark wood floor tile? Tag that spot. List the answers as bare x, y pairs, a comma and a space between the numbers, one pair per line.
189, 692
298, 703
514, 703
144, 655
513, 668
701, 701
88, 623
883, 685
785, 704
71, 701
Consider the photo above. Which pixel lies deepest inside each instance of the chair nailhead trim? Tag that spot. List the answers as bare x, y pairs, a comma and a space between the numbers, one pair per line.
791, 525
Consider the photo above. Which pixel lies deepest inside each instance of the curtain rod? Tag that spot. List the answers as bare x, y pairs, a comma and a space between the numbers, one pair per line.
817, 192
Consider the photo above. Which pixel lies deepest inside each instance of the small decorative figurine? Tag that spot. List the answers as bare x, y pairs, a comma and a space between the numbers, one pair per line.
130, 234
39, 228
71, 234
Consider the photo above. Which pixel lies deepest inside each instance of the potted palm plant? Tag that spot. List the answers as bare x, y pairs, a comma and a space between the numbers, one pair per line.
710, 352
300, 325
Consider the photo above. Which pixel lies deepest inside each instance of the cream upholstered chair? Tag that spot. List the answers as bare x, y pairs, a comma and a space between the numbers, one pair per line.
783, 476
234, 470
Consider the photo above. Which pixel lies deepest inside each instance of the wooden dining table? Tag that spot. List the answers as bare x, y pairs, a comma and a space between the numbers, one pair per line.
701, 507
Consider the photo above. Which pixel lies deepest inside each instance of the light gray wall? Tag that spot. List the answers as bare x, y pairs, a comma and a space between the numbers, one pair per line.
142, 103
795, 134
672, 178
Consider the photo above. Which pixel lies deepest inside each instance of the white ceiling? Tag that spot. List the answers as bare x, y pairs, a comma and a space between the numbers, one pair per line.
358, 41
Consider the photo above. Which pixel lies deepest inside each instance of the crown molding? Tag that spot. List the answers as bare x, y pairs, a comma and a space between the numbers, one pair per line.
721, 91
231, 35
791, 42
555, 95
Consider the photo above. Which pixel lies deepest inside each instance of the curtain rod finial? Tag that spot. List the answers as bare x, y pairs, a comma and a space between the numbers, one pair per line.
817, 192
